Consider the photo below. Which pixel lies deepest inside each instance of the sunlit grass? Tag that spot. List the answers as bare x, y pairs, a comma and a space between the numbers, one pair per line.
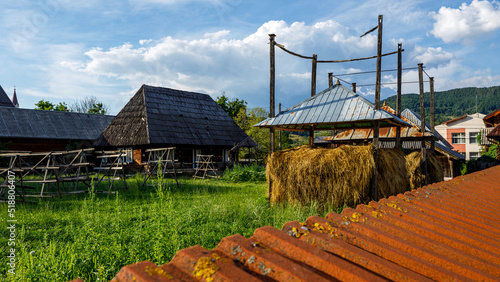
92, 236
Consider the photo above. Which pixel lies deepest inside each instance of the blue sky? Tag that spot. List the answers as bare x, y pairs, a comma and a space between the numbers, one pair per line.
62, 50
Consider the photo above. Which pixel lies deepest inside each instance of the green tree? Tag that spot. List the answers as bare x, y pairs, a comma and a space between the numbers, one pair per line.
48, 106
231, 107
44, 105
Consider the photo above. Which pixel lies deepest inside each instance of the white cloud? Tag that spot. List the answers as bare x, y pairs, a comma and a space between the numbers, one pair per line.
431, 56
466, 22
216, 63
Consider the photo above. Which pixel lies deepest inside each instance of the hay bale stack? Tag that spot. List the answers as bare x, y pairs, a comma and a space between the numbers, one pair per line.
434, 169
333, 177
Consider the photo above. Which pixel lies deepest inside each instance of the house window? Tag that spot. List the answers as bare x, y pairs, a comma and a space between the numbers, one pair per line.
473, 155
458, 138
129, 157
473, 137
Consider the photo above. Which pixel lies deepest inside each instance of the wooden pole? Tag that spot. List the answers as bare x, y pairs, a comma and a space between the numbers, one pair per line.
313, 74
330, 79
398, 93
354, 87
373, 191
313, 92
279, 132
272, 43
423, 162
431, 84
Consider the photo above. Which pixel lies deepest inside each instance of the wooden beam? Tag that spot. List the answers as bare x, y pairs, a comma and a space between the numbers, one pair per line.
423, 150
398, 93
354, 87
373, 191
272, 81
330, 79
431, 84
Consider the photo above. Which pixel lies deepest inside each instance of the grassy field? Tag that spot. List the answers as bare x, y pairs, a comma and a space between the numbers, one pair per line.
91, 236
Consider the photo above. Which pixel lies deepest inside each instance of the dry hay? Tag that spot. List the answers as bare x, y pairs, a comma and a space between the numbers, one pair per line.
434, 169
333, 177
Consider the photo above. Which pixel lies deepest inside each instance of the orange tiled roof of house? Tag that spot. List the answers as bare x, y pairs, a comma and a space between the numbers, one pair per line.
444, 231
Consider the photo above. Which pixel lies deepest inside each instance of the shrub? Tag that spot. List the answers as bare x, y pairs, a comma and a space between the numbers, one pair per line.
241, 173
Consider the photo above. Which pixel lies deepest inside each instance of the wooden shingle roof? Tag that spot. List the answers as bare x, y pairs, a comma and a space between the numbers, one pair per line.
4, 99
28, 123
165, 116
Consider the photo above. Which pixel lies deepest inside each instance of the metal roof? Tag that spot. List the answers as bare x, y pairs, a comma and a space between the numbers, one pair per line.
160, 115
28, 123
4, 99
411, 134
334, 108
447, 231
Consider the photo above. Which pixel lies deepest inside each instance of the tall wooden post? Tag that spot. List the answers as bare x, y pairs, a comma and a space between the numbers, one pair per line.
423, 150
373, 192
431, 84
398, 93
354, 87
271, 104
313, 92
330, 79
271, 90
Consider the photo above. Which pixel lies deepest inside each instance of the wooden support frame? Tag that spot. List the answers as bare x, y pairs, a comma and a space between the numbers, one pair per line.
113, 170
205, 164
163, 157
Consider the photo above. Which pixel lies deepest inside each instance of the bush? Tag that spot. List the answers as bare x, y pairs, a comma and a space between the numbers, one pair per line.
487, 159
239, 173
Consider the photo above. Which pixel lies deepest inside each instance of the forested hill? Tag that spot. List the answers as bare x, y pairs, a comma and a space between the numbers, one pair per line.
452, 103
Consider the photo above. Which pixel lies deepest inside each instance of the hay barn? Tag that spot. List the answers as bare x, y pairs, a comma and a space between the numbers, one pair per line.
158, 117
43, 131
410, 140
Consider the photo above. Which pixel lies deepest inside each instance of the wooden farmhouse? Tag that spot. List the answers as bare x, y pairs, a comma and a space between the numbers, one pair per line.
157, 117
43, 131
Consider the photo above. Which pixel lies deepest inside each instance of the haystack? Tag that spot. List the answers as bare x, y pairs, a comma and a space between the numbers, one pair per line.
334, 177
434, 169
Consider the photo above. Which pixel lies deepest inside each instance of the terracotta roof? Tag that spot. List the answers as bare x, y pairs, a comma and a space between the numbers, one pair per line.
444, 231
453, 120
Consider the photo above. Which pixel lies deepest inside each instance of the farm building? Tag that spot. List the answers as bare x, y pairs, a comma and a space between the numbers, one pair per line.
410, 140
157, 117
4, 99
42, 131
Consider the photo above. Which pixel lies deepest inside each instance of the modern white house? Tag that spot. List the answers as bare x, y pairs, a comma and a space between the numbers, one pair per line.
462, 132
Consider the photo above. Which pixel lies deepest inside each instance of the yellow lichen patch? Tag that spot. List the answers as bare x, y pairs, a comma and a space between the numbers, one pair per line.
217, 257
355, 217
152, 271
376, 214
394, 206
205, 268
302, 223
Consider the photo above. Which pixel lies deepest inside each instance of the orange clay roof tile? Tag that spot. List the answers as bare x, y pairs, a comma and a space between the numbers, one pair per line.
444, 231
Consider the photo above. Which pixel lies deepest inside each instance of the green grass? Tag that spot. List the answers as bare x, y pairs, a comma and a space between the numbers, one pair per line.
92, 236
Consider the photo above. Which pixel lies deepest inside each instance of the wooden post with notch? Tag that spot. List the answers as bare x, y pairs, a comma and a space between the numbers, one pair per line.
330, 79
423, 150
354, 87
279, 132
373, 191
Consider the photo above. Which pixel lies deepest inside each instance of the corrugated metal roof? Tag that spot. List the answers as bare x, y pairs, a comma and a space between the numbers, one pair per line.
27, 123
4, 99
409, 133
159, 115
446, 231
335, 107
